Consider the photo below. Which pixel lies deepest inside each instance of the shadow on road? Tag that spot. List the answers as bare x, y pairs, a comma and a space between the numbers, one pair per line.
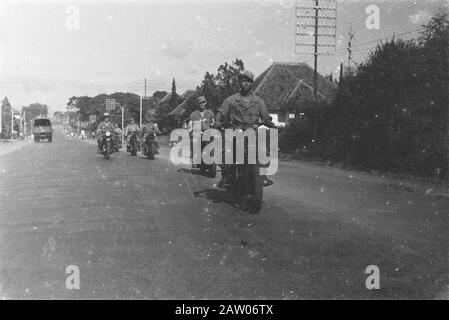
196, 171
217, 196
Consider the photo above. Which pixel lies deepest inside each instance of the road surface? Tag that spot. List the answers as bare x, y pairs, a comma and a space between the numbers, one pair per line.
142, 229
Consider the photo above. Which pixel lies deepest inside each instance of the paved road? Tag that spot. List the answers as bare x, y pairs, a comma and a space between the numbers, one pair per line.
150, 230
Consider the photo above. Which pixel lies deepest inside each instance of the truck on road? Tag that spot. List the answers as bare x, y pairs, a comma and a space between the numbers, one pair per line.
42, 129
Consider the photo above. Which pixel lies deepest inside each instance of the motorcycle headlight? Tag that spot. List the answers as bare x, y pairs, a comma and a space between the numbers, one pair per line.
108, 133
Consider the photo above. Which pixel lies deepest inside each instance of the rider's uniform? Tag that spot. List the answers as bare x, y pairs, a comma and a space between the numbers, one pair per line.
206, 117
147, 128
106, 126
102, 128
238, 110
130, 129
244, 110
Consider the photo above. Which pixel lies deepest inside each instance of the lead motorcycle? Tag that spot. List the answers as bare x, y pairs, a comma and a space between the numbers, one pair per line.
246, 182
150, 146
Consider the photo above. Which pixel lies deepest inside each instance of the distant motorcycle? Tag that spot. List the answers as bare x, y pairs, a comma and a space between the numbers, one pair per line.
133, 144
150, 146
109, 145
210, 169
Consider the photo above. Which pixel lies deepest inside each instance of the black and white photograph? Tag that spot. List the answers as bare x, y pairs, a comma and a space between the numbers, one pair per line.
224, 150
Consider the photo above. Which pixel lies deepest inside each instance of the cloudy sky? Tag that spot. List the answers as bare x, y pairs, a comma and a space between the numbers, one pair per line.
49, 53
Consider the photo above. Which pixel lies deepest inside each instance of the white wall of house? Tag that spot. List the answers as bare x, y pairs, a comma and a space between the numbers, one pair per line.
276, 120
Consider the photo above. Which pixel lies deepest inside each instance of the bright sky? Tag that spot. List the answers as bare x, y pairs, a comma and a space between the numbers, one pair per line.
46, 58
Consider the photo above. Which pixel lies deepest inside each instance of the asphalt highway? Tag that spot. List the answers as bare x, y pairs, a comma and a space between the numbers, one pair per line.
142, 229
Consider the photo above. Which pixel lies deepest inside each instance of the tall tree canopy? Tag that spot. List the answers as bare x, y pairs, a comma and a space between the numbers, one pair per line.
97, 106
35, 110
174, 97
6, 117
216, 88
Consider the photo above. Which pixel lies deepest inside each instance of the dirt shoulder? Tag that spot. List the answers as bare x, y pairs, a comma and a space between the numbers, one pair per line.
402, 182
8, 146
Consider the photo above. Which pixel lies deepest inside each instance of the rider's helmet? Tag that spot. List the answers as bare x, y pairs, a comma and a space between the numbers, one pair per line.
245, 74
106, 115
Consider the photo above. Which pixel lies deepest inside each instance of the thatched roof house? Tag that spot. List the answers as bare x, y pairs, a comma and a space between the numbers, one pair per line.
286, 86
188, 99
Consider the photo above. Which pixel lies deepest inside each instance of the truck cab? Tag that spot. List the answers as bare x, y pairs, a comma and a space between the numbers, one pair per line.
42, 129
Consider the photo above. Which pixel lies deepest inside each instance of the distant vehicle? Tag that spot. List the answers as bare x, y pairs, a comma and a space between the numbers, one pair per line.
42, 129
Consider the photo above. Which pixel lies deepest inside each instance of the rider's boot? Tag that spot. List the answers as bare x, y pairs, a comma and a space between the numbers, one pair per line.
266, 181
224, 182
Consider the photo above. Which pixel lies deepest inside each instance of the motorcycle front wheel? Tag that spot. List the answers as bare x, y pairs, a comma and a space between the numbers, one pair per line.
107, 150
248, 188
213, 170
152, 150
133, 150
255, 189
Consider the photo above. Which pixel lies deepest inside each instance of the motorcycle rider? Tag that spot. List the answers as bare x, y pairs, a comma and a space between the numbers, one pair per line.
105, 125
148, 127
242, 108
203, 115
129, 130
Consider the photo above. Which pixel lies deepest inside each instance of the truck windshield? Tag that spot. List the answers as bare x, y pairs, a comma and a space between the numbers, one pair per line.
41, 122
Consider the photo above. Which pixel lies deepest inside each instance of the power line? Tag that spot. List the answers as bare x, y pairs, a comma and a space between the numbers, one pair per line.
385, 38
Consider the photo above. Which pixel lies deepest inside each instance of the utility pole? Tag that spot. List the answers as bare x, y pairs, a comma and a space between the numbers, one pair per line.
24, 123
315, 53
12, 121
145, 88
341, 74
317, 20
141, 101
123, 123
140, 111
309, 30
21, 119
